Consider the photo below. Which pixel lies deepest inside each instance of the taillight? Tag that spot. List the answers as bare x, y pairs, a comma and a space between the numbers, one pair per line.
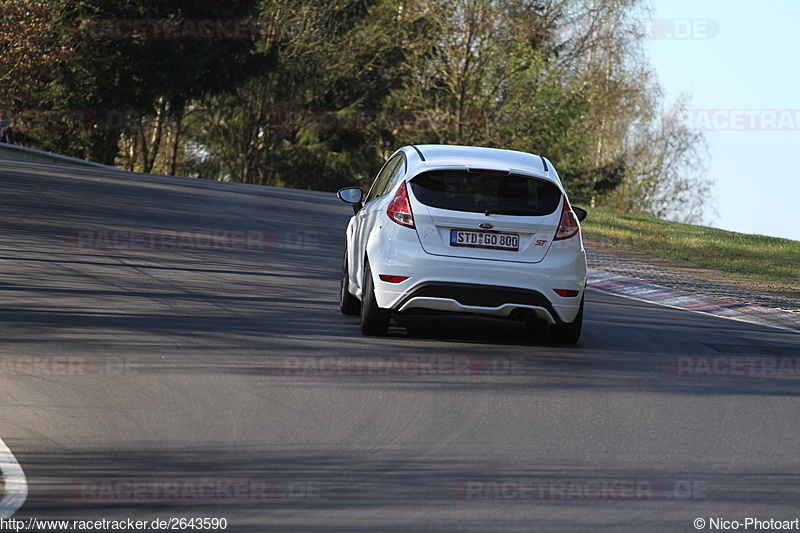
568, 226
566, 293
399, 209
392, 279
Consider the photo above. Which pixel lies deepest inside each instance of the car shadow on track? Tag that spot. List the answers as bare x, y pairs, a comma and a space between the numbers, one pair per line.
468, 330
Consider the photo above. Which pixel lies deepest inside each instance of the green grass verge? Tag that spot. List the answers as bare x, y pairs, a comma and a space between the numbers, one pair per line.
761, 257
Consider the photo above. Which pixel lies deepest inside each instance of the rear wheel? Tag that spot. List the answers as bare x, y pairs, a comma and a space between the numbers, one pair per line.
348, 304
374, 320
568, 333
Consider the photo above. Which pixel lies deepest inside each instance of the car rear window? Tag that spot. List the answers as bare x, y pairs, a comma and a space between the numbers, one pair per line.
460, 190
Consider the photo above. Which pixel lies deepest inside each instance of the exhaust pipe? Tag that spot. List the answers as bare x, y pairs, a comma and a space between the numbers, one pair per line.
524, 315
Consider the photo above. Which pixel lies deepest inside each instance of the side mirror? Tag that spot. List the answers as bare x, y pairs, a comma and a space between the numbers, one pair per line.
353, 196
580, 213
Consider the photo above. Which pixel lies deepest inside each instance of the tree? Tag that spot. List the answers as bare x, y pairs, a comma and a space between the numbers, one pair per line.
336, 85
149, 73
304, 123
666, 161
32, 49
563, 78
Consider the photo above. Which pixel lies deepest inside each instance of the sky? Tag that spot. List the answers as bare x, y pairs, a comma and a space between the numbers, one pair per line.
739, 64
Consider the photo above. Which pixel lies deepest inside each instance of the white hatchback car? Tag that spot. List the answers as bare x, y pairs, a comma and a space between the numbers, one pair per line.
465, 230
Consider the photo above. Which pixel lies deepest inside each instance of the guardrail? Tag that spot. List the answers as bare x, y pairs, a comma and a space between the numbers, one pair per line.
20, 153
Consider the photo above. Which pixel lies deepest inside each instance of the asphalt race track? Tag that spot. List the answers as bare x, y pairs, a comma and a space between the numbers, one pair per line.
172, 348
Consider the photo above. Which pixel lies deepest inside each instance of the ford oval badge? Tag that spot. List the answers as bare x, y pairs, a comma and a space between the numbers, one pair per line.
486, 225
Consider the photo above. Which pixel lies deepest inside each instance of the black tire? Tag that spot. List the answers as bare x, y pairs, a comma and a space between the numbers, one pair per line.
348, 304
568, 333
374, 320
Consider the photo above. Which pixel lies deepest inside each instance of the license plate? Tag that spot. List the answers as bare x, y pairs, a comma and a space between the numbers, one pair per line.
483, 239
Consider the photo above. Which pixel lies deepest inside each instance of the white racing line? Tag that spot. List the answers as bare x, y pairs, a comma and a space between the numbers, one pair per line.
15, 489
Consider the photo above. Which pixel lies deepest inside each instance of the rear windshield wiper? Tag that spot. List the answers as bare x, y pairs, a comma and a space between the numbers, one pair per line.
513, 211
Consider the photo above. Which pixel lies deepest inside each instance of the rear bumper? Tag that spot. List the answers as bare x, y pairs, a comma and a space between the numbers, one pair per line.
481, 287
485, 300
